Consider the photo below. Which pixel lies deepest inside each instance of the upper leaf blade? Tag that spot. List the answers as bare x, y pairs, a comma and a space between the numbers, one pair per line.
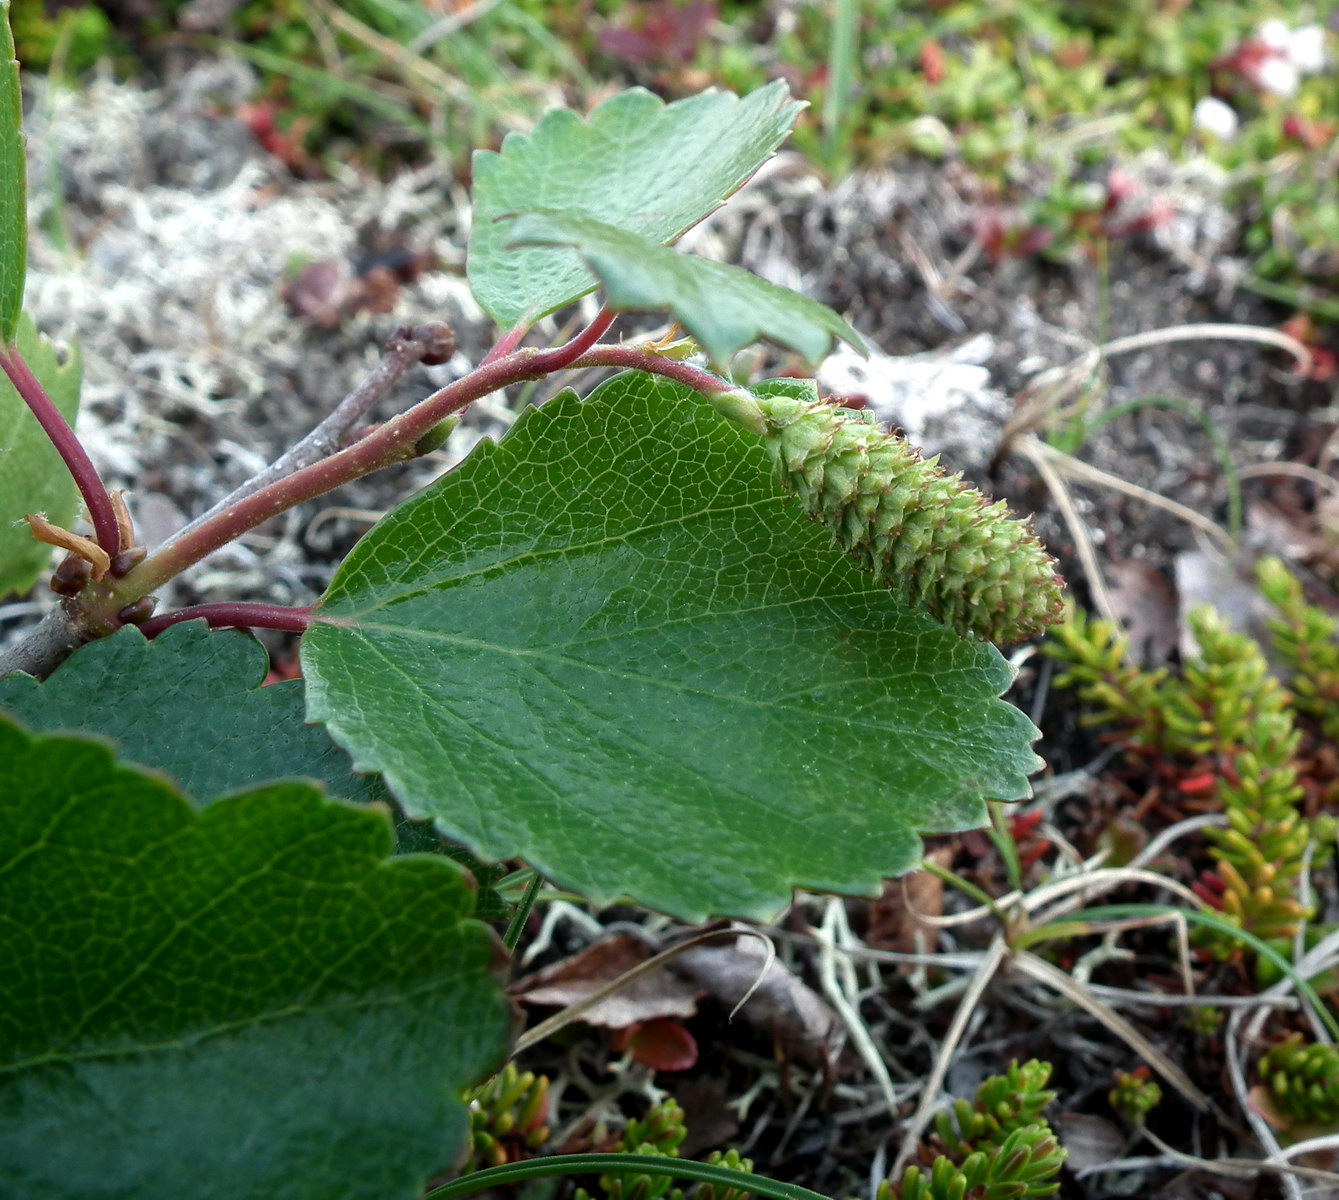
723, 307
13, 197
33, 479
246, 1001
634, 162
610, 646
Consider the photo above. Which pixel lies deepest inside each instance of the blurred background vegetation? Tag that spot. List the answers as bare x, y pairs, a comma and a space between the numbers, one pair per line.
1039, 101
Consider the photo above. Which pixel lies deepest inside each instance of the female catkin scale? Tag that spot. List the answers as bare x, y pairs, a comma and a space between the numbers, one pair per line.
925, 535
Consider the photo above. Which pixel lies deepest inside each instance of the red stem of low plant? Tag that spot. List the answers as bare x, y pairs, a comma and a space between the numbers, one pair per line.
386, 445
235, 615
635, 358
505, 344
69, 448
383, 447
564, 355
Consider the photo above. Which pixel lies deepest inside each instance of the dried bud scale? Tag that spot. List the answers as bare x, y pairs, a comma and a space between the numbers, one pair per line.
924, 534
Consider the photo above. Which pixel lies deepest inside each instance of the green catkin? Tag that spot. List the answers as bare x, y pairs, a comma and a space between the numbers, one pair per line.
925, 535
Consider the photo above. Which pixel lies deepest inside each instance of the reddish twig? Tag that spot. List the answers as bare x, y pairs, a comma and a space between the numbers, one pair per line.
68, 446
236, 615
566, 354
506, 344
636, 358
405, 348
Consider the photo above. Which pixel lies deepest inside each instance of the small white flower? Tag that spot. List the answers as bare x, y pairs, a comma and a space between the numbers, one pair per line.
1212, 116
1277, 76
1306, 49
1275, 34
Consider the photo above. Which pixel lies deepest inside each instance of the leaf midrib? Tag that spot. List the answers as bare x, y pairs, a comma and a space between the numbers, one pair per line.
526, 557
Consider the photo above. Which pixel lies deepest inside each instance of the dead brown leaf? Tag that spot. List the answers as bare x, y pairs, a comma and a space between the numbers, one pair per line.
660, 994
783, 1006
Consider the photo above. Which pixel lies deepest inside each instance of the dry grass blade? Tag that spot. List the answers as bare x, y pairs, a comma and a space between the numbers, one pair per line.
990, 963
1297, 470
1210, 331
1058, 981
1078, 469
1083, 544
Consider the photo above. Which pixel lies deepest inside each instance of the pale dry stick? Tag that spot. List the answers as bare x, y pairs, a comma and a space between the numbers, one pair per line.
1071, 851
995, 954
964, 961
1173, 833
1322, 957
1177, 1000
1210, 332
1297, 470
1142, 1162
1042, 971
834, 916
1328, 452
1248, 1168
1083, 545
1103, 877
560, 910
1236, 1074
1115, 925
572, 1012
1329, 1141
1040, 401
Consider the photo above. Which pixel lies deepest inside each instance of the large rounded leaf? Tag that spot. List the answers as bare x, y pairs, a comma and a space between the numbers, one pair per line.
189, 703
612, 647
635, 162
247, 1001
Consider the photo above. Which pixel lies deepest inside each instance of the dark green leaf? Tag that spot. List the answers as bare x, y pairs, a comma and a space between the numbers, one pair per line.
247, 1001
634, 162
724, 308
190, 704
13, 198
610, 646
33, 479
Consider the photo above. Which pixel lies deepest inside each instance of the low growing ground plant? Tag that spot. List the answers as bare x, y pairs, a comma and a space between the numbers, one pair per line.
680, 641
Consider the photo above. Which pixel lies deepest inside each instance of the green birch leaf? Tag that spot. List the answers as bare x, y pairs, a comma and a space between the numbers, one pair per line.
13, 197
33, 479
610, 646
190, 704
244, 1002
634, 162
723, 307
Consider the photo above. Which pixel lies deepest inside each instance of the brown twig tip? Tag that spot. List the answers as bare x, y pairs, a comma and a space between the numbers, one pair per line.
438, 341
83, 547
